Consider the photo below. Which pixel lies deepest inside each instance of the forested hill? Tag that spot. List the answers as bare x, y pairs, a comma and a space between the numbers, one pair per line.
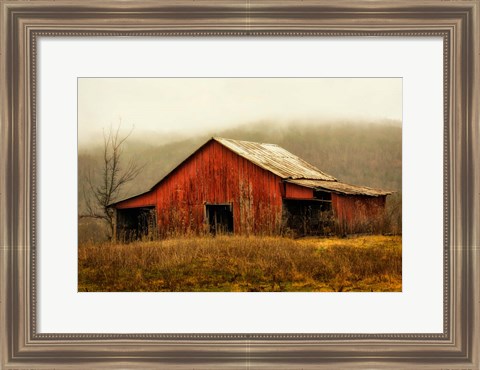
361, 154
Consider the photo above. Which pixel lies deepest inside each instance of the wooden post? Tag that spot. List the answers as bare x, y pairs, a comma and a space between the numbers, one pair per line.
114, 219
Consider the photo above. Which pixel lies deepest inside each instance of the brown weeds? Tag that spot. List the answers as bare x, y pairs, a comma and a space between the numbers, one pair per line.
236, 263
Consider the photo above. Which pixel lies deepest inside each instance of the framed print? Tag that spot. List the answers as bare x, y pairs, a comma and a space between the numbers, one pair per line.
239, 184
227, 191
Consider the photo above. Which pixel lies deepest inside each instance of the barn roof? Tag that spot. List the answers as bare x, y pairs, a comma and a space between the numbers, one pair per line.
339, 187
275, 159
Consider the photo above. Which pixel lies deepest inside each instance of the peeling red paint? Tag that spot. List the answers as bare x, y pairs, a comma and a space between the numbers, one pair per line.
293, 191
353, 210
215, 175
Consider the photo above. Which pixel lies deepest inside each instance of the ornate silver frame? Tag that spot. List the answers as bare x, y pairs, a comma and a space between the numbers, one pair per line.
22, 22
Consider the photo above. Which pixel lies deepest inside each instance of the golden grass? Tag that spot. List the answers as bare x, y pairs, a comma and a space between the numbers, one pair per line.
243, 264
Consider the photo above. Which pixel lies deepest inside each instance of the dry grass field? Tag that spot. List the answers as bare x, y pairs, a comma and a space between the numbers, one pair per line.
243, 264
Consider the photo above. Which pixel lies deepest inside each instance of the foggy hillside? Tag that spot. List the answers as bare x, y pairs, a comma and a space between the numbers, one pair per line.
366, 154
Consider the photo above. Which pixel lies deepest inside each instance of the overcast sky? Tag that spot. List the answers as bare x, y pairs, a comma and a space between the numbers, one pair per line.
189, 106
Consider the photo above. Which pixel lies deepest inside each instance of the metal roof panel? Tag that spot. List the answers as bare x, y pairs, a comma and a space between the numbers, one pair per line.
340, 187
275, 159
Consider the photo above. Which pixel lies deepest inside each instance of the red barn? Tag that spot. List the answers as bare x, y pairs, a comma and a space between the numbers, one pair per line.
244, 187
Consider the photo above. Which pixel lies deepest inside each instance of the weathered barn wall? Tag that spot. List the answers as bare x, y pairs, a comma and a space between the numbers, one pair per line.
143, 200
354, 212
293, 191
215, 175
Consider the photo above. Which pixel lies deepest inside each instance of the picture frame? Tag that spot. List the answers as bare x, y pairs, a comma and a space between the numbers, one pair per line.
23, 22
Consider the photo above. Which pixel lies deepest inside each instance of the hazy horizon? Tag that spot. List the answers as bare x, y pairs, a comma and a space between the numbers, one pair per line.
163, 109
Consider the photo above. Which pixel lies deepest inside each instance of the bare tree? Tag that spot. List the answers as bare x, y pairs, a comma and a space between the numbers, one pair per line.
102, 190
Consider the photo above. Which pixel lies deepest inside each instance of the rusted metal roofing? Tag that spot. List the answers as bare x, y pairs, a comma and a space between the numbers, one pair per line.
339, 187
275, 159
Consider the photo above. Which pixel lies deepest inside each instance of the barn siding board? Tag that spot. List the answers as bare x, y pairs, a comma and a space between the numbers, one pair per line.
142, 200
298, 192
352, 211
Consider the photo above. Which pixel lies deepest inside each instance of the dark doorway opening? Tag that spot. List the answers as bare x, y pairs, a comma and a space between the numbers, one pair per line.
219, 218
136, 223
308, 217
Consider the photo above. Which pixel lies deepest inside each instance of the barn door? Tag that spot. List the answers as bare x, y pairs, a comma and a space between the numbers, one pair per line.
220, 218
